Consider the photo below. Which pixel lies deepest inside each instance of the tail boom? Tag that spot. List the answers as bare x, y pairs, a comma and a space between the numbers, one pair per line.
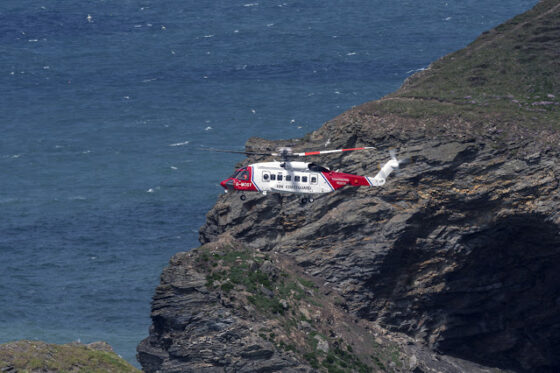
337, 180
383, 174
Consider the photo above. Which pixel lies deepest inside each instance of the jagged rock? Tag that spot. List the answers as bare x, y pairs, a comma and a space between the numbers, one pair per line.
269, 269
322, 345
194, 330
257, 352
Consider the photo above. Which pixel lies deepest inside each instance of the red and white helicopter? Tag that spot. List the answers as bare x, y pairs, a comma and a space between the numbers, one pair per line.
295, 177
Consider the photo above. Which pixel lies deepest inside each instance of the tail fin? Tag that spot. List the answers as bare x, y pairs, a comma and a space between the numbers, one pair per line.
385, 171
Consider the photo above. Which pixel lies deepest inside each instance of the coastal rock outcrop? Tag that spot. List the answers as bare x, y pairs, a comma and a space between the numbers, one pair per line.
198, 328
461, 249
36, 356
453, 265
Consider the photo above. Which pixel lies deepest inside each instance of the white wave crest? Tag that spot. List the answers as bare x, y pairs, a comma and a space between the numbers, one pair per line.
77, 198
179, 143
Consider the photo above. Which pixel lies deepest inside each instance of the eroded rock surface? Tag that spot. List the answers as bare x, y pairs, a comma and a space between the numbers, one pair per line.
227, 307
460, 249
197, 328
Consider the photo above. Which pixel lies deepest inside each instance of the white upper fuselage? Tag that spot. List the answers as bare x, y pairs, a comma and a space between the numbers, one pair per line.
288, 177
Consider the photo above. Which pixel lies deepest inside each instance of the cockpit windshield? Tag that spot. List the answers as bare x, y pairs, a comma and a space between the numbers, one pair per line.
243, 175
239, 174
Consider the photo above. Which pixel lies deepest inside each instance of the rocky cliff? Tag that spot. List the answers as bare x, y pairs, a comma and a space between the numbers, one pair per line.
452, 266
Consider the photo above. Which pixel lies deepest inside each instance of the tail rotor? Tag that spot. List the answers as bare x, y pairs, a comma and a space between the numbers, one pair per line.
401, 162
391, 165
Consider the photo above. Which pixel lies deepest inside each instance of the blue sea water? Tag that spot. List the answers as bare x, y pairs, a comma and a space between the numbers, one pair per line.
104, 104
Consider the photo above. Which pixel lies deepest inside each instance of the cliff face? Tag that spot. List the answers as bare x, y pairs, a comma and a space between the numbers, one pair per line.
458, 254
460, 250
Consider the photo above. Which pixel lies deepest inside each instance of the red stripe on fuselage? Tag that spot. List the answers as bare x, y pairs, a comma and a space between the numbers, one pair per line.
340, 179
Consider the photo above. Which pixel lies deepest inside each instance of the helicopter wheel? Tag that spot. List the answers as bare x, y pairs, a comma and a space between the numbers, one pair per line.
303, 201
243, 197
311, 199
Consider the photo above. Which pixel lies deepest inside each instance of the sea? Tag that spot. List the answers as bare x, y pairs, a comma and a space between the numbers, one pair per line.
106, 106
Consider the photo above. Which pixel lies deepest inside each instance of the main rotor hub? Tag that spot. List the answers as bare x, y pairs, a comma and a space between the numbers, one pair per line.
285, 152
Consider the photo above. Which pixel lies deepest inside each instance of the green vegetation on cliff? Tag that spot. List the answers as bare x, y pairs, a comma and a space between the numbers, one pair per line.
509, 75
34, 356
295, 313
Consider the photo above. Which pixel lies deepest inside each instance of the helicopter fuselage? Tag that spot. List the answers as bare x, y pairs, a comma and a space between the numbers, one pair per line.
292, 177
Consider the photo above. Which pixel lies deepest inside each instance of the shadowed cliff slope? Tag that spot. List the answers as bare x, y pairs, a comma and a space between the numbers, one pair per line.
452, 264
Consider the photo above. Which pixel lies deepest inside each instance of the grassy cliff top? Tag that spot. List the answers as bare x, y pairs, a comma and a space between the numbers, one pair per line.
509, 76
35, 356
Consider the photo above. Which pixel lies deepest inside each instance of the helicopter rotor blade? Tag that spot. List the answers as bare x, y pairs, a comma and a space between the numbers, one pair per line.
287, 153
236, 152
321, 152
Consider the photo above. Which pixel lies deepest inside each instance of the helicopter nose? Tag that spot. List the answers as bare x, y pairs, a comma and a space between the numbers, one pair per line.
227, 184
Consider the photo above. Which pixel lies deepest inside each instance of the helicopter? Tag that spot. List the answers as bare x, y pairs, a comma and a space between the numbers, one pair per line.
303, 178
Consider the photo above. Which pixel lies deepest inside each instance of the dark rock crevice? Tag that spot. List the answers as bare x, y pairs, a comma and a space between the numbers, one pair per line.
513, 270
491, 293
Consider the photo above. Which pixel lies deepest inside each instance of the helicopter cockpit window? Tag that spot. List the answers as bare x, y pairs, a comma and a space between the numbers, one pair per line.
243, 175
238, 172
313, 179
